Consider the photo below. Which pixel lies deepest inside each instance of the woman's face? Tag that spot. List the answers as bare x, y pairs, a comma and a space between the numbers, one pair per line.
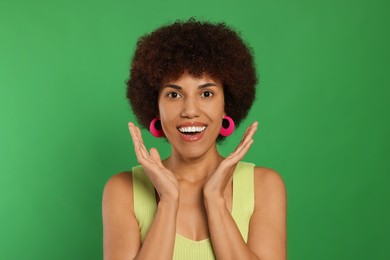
191, 111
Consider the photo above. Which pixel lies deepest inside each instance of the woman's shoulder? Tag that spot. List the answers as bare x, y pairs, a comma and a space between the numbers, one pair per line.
119, 180
267, 175
119, 189
268, 184
120, 226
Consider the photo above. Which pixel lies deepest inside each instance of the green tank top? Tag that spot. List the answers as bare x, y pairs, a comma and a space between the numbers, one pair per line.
145, 207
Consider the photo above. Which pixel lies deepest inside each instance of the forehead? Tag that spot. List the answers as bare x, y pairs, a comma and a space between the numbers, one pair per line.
188, 80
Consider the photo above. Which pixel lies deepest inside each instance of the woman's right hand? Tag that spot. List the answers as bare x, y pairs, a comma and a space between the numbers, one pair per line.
163, 179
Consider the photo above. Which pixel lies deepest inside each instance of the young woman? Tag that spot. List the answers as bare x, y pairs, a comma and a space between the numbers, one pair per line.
191, 82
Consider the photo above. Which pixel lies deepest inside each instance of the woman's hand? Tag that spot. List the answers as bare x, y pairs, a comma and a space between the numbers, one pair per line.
163, 179
217, 182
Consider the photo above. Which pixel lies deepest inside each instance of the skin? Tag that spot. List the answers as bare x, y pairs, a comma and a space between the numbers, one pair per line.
194, 186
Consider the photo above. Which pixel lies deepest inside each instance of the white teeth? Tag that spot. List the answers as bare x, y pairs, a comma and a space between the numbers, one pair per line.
190, 129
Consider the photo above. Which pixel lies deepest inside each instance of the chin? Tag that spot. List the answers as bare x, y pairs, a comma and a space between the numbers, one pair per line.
193, 152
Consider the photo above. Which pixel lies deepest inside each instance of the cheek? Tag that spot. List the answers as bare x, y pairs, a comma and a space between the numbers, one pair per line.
217, 109
162, 111
167, 116
165, 112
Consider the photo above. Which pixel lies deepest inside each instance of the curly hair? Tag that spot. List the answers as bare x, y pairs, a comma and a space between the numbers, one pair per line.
196, 47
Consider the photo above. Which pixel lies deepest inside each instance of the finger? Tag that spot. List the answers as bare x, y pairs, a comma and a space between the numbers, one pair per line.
246, 138
132, 131
244, 149
251, 132
137, 139
248, 131
139, 134
239, 155
250, 127
154, 153
156, 156
139, 147
151, 156
148, 160
134, 137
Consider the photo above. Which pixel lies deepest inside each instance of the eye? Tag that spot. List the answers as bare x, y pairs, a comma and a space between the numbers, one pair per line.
207, 94
173, 95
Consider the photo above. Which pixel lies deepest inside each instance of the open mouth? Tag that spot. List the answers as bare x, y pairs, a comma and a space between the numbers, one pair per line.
192, 130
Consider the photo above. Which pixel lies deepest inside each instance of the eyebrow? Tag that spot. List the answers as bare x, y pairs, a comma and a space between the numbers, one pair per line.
199, 87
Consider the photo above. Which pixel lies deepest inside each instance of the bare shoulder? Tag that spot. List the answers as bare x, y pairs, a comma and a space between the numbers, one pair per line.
121, 237
269, 186
267, 233
119, 190
268, 176
119, 179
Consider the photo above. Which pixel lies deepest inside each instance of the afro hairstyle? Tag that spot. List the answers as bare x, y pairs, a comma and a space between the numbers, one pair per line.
195, 47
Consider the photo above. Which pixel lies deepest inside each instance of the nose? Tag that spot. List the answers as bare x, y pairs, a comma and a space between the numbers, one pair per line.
190, 108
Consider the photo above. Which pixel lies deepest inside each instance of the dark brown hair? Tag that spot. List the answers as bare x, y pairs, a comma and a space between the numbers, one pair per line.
197, 47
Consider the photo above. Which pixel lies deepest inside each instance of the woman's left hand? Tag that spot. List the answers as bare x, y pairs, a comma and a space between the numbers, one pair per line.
217, 181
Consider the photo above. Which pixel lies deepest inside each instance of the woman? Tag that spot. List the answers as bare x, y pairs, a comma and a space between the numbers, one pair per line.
190, 82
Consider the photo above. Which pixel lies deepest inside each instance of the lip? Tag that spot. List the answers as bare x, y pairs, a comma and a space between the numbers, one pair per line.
185, 124
194, 137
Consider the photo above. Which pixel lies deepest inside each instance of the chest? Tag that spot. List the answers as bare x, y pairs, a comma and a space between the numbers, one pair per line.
240, 204
192, 215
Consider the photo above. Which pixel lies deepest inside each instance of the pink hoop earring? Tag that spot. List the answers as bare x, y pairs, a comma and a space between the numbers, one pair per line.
227, 126
156, 128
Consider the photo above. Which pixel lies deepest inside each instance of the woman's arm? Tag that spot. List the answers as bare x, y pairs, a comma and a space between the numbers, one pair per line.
267, 230
121, 230
160, 239
121, 235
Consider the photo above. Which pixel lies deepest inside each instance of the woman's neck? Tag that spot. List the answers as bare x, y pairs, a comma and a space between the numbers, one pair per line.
193, 169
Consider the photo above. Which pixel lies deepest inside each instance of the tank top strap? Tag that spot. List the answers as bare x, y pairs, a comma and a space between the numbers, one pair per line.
243, 200
144, 200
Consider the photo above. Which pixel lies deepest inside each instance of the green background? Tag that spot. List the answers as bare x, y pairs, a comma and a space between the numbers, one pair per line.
322, 104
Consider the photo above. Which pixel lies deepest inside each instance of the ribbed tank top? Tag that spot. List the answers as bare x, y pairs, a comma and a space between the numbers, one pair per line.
145, 207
